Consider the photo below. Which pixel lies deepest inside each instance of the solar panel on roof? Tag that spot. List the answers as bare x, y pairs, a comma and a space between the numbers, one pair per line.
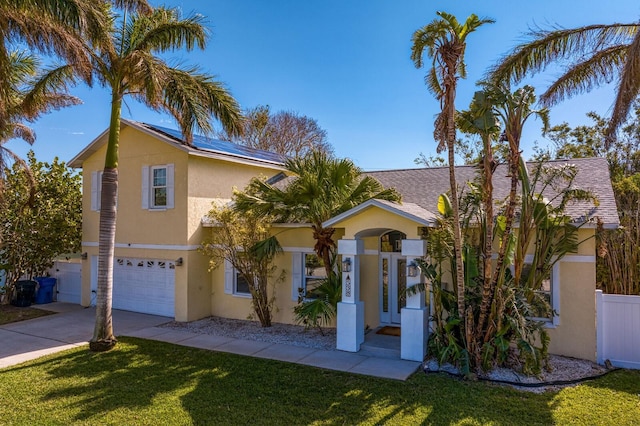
216, 145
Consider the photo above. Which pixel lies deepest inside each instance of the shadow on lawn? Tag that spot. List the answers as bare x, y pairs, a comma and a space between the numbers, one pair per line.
219, 388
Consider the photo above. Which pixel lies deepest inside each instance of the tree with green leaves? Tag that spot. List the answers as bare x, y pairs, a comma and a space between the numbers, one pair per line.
444, 41
128, 61
29, 94
38, 226
235, 240
481, 119
513, 109
618, 265
594, 55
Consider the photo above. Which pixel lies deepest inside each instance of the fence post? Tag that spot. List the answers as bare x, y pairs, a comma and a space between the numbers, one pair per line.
599, 328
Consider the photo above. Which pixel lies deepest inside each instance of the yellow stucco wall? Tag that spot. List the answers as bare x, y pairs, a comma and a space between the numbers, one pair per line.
163, 234
376, 218
575, 336
293, 240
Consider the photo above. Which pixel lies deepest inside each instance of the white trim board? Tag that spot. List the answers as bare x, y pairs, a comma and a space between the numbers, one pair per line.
146, 246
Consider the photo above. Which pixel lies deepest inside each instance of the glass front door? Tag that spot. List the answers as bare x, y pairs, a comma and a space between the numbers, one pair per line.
393, 287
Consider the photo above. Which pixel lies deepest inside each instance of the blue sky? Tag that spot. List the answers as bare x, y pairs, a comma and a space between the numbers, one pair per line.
346, 64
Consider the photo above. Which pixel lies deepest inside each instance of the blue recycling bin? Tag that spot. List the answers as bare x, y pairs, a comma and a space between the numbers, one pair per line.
45, 290
24, 293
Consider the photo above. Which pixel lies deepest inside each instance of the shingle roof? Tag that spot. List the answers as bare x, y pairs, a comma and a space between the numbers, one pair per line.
424, 186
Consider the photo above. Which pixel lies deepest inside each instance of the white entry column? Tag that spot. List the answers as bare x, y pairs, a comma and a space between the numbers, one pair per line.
414, 317
350, 321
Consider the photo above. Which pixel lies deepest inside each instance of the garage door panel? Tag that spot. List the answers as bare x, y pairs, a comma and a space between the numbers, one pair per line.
144, 285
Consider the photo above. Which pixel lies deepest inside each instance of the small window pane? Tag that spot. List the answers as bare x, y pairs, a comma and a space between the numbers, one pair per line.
541, 303
385, 285
159, 197
242, 285
315, 274
160, 177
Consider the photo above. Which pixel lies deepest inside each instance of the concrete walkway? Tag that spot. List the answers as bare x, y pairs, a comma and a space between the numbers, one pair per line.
73, 326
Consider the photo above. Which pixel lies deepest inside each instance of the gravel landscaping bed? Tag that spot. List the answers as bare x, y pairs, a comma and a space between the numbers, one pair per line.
563, 371
287, 334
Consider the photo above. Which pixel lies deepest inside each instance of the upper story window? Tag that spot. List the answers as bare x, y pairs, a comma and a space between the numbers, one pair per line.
158, 187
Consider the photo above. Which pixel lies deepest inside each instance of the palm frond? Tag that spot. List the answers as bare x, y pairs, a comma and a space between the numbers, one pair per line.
548, 46
586, 75
628, 88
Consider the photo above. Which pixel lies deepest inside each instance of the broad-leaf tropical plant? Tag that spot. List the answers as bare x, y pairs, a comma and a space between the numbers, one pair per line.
481, 119
444, 41
127, 61
513, 110
594, 55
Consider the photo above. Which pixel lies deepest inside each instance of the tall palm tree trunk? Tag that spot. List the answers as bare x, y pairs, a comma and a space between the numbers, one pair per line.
514, 161
450, 90
487, 288
103, 338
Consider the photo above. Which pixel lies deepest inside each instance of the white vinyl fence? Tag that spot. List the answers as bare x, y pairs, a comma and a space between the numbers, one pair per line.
618, 332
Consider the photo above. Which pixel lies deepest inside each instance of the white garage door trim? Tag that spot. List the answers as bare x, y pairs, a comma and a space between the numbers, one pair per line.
141, 285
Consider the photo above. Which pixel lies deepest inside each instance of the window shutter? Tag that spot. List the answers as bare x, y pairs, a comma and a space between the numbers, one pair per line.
94, 191
170, 186
145, 187
228, 277
296, 275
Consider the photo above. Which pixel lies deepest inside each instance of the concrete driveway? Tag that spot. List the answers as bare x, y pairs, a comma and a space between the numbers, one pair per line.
71, 326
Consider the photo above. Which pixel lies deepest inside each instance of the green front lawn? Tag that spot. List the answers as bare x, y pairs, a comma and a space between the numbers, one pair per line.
147, 382
10, 313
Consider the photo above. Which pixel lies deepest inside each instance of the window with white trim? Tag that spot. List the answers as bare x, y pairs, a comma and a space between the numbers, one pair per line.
235, 283
308, 273
158, 187
548, 293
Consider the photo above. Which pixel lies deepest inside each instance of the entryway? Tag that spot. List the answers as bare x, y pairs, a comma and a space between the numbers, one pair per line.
393, 277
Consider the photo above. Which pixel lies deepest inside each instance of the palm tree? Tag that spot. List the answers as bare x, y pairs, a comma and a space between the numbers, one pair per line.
126, 61
595, 55
322, 188
51, 27
513, 109
444, 40
481, 119
29, 94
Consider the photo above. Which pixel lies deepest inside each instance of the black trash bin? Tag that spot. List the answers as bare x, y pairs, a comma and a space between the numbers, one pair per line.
25, 291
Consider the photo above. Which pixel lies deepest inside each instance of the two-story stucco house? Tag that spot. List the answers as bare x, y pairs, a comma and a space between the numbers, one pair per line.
166, 189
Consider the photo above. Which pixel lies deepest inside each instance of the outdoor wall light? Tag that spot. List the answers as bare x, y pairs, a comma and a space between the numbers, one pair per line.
179, 261
346, 265
84, 256
412, 269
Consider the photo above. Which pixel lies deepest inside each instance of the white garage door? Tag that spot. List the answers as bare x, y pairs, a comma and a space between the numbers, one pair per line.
69, 281
144, 285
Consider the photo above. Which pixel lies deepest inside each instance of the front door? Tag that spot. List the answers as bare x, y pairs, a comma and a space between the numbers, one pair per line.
393, 286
